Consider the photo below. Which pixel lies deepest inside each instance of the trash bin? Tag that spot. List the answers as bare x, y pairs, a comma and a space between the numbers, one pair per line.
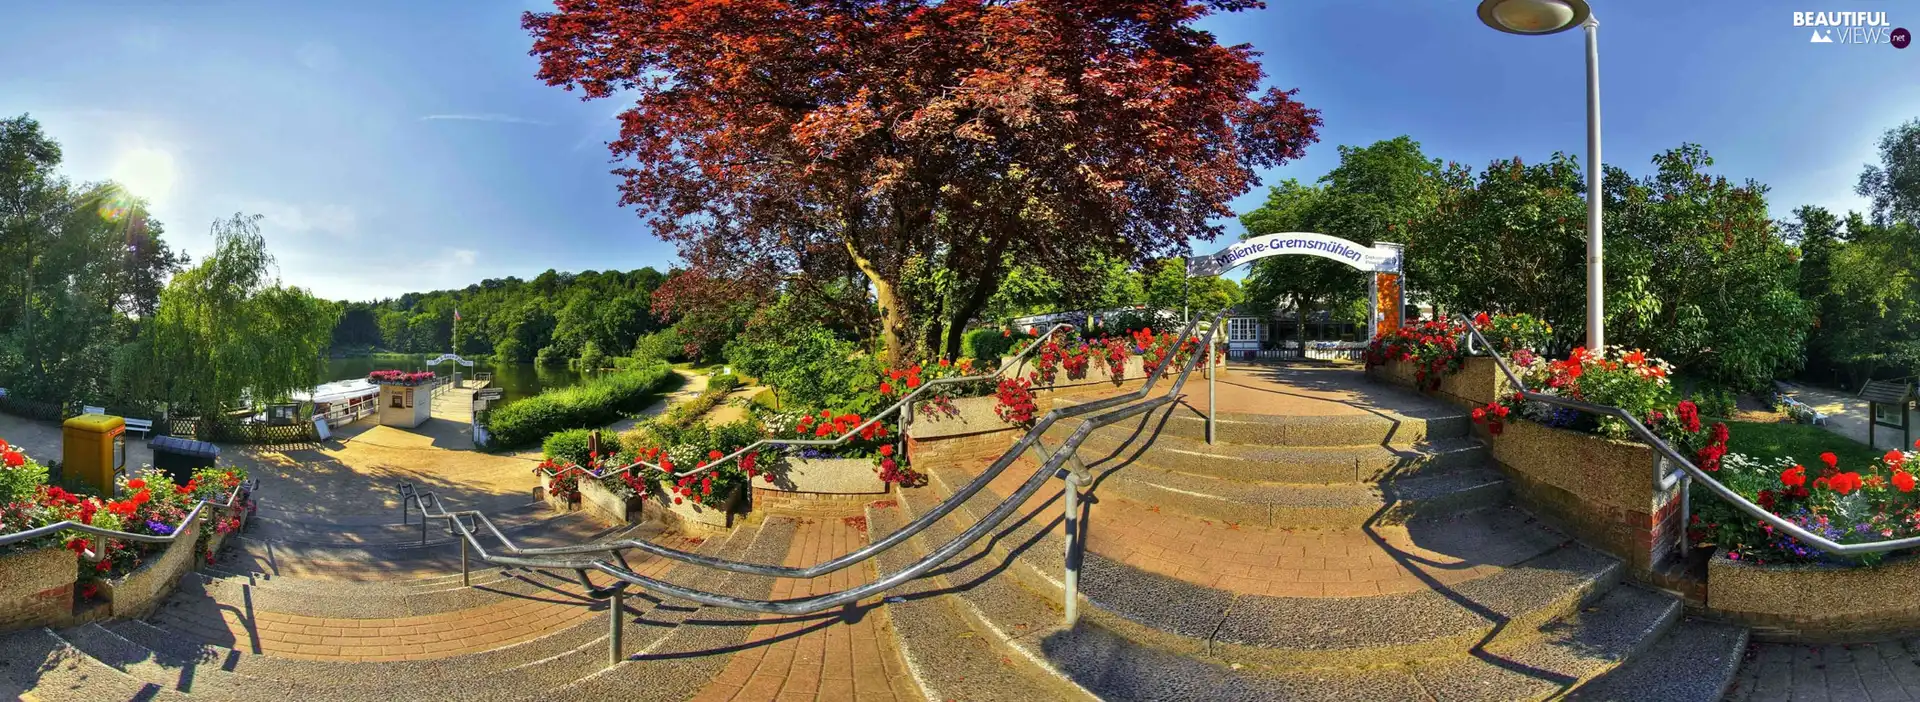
180, 457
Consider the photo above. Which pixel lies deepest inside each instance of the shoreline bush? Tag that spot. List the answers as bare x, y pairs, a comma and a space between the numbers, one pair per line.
591, 404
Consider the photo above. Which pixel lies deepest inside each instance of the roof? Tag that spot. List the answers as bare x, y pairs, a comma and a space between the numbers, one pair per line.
338, 391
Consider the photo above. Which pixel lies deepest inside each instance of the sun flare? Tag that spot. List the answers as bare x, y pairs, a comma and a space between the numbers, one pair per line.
146, 172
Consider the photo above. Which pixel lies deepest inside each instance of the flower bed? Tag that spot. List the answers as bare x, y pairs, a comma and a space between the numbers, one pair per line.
41, 581
397, 377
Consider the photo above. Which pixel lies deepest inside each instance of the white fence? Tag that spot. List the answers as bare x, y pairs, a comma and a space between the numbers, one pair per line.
1317, 350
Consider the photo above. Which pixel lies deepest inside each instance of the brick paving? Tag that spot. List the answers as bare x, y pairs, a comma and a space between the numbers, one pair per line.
1293, 390
846, 654
515, 619
1874, 672
1258, 561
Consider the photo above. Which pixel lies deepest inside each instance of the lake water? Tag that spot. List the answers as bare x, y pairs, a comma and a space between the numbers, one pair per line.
519, 379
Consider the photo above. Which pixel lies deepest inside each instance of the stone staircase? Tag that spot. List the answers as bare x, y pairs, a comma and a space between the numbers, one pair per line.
1366, 555
1370, 557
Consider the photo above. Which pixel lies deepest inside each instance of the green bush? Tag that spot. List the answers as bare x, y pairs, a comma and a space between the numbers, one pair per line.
810, 368
988, 346
573, 445
1714, 400
664, 345
550, 356
591, 359
723, 382
594, 403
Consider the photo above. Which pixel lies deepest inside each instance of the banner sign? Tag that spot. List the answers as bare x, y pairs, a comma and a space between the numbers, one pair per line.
450, 357
1380, 258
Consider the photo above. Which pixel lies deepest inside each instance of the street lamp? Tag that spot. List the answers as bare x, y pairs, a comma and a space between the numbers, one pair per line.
1550, 17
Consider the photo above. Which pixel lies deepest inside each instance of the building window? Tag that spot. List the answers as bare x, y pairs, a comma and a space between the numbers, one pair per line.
409, 397
1243, 329
397, 400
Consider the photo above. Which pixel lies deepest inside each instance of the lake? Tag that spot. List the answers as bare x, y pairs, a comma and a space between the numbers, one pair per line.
519, 379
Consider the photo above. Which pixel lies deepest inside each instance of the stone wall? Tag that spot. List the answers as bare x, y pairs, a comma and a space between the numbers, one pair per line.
1596, 489
1817, 604
604, 505
36, 587
136, 594
688, 516
1479, 381
770, 501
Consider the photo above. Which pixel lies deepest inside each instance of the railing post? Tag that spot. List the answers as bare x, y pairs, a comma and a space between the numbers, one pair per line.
1211, 372
423, 524
616, 607
1072, 576
466, 579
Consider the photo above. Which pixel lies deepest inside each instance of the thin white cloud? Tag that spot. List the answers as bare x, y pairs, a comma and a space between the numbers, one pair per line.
338, 220
318, 56
488, 117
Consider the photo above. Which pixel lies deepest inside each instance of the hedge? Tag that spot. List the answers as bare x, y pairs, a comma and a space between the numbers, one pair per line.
591, 404
573, 445
989, 345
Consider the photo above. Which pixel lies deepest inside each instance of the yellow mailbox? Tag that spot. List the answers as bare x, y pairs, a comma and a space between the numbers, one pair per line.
93, 449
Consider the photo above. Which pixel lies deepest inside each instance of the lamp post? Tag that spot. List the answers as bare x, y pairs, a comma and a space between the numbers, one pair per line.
1551, 17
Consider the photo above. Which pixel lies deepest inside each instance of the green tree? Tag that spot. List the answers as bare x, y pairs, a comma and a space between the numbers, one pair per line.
1169, 288
1894, 184
225, 327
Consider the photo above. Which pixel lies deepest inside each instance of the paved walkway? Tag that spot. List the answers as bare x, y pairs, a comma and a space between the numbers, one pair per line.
1792, 673
1848, 416
845, 654
1298, 389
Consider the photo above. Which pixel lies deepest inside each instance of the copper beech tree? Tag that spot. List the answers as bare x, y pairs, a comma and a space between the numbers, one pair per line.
885, 136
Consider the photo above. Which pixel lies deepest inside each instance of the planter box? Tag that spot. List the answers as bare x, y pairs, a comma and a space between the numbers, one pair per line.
1816, 603
1479, 381
36, 587
974, 415
136, 594
691, 515
558, 505
826, 475
1597, 489
608, 505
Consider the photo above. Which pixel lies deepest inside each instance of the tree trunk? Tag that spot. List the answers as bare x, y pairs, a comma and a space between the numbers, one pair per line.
1300, 325
892, 319
966, 308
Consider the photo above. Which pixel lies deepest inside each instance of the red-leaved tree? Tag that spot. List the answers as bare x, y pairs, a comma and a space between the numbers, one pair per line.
888, 134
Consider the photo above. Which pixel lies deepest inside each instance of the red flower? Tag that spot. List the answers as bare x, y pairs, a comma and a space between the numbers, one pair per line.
13, 459
1903, 480
142, 497
944, 363
136, 484
1500, 411
1894, 458
1766, 500
1482, 320
1794, 477
886, 449
886, 388
1479, 415
1831, 460
1844, 483
676, 500
715, 454
913, 382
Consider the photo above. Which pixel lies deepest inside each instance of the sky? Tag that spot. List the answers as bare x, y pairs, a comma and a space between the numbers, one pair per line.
397, 147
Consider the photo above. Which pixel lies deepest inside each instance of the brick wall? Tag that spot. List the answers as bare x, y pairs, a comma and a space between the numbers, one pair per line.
1478, 382
1597, 490
986, 445
36, 588
784, 502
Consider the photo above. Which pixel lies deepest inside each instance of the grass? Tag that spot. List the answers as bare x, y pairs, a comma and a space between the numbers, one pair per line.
1804, 443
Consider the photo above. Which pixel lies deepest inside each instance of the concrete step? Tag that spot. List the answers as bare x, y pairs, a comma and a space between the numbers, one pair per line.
1294, 632
1372, 426
201, 597
1293, 506
1560, 655
699, 647
525, 670
1694, 662
1130, 443
954, 650
52, 670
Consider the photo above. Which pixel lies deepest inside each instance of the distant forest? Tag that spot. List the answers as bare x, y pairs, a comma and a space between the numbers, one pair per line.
550, 319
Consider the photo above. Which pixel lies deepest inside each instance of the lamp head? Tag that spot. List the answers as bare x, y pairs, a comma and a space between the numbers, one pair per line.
1534, 16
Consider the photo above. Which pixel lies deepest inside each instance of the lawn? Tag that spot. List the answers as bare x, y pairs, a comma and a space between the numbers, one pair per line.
1803, 442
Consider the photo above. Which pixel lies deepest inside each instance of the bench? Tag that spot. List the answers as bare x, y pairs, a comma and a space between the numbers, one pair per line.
144, 426
90, 409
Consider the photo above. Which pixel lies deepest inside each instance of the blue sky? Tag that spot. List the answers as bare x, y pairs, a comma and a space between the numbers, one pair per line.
407, 146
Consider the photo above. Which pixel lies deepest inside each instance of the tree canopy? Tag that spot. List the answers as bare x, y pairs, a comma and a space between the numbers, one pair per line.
894, 138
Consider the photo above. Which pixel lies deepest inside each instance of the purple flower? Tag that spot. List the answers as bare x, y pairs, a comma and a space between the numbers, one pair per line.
158, 528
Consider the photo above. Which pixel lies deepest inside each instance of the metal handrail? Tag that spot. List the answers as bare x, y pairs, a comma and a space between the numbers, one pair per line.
1686, 471
514, 556
1018, 360
100, 535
